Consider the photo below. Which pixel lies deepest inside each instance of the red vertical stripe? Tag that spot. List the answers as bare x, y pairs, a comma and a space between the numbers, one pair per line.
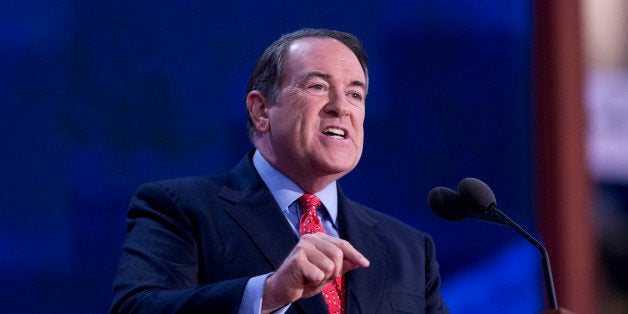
563, 185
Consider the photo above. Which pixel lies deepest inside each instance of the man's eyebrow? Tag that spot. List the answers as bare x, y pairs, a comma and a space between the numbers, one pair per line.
358, 84
328, 76
312, 74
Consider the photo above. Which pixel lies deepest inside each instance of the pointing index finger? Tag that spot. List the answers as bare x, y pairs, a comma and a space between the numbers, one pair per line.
352, 258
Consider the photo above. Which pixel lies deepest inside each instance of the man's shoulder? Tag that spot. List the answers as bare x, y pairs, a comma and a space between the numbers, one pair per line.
180, 198
188, 182
184, 187
242, 176
389, 223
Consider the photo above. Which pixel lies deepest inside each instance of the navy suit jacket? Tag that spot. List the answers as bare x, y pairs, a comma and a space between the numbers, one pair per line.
192, 244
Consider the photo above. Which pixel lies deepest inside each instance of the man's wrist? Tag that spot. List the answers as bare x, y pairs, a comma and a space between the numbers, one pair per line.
269, 302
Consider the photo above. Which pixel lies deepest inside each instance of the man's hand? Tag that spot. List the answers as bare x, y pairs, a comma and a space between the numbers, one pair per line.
315, 261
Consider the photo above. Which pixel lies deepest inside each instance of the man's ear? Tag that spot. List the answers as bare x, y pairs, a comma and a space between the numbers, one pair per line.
258, 108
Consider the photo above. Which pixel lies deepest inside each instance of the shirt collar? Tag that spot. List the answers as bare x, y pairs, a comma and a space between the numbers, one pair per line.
285, 191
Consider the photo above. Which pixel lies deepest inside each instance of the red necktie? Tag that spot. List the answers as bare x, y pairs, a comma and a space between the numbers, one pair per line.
334, 293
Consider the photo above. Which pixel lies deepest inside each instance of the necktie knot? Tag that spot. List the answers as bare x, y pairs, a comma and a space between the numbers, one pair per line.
309, 222
309, 203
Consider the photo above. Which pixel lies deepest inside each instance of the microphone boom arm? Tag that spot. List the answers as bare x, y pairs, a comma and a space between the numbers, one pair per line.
549, 281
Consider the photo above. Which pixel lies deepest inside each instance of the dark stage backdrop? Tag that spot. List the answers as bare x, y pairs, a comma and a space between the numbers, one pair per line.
100, 96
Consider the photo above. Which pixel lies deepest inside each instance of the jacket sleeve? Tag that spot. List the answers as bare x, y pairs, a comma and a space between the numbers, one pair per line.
159, 263
434, 300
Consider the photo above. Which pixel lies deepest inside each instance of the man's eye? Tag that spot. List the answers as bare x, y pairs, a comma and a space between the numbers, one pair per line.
356, 95
317, 86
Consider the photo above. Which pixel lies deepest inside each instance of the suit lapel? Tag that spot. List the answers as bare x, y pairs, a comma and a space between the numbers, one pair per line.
365, 285
257, 212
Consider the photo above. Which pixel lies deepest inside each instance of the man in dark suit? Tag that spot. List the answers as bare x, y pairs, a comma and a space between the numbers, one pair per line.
277, 233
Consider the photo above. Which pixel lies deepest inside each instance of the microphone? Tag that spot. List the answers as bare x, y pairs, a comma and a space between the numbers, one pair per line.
475, 199
445, 203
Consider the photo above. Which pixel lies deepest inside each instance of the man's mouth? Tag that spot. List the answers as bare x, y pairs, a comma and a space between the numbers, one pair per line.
334, 132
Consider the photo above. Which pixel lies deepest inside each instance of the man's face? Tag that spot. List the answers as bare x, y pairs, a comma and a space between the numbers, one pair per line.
316, 122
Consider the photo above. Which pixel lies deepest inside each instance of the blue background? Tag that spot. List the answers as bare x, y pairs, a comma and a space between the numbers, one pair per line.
101, 96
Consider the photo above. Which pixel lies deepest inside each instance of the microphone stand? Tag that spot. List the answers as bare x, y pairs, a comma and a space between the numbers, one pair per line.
549, 281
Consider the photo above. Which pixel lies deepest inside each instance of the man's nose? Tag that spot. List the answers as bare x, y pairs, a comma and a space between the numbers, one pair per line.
338, 103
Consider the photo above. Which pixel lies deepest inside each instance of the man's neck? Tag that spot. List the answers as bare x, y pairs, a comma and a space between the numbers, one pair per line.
308, 181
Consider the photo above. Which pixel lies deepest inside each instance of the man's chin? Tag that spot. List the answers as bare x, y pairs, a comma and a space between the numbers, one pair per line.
337, 169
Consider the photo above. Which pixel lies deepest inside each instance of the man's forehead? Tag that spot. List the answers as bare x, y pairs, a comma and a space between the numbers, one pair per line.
308, 45
313, 40
306, 50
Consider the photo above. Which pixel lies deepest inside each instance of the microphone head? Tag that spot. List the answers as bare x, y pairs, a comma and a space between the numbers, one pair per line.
476, 195
445, 203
